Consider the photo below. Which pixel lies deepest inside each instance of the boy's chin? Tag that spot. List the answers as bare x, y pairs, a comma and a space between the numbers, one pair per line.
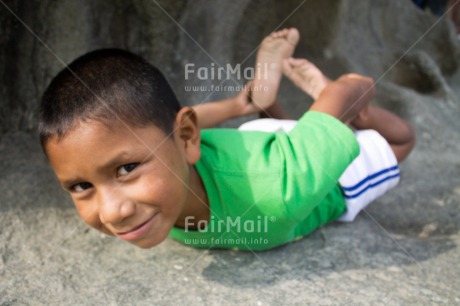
141, 243
147, 243
144, 244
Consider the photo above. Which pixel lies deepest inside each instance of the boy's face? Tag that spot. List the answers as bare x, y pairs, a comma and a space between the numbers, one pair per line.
128, 182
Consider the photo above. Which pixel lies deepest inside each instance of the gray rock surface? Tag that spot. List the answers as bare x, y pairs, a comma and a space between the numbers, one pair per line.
403, 250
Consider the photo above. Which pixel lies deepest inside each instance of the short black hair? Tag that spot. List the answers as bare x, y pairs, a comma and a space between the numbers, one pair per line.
107, 85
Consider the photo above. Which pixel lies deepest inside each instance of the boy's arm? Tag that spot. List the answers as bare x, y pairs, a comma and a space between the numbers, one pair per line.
345, 97
212, 113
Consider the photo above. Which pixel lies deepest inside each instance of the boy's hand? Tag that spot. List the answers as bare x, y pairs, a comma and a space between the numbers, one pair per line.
212, 113
243, 103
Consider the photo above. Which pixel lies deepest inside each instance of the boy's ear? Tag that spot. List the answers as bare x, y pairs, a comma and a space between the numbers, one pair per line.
187, 133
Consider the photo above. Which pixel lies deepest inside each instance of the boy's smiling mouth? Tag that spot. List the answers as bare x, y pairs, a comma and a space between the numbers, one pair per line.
137, 231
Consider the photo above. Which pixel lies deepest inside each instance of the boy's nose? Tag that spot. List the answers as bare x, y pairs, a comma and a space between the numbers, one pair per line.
114, 206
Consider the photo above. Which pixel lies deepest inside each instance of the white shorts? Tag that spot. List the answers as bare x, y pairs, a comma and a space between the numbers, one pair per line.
268, 125
369, 176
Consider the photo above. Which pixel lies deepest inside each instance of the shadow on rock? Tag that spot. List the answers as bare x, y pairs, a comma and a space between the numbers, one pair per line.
332, 249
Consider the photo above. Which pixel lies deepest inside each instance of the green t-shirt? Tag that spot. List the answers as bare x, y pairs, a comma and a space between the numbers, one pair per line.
266, 189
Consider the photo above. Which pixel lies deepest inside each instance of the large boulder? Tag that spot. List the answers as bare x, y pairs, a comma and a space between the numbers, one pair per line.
393, 41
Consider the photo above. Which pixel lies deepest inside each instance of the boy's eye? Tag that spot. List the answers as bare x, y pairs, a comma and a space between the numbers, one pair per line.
125, 169
80, 187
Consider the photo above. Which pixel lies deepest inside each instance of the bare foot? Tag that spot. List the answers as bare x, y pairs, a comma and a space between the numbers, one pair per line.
274, 49
305, 75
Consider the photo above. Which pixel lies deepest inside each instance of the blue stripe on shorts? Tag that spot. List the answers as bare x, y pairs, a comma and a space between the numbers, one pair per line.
382, 176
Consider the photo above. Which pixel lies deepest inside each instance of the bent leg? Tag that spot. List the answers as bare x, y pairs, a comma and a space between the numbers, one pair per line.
393, 128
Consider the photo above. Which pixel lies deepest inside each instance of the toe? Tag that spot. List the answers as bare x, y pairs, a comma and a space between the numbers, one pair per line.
293, 36
287, 67
297, 62
278, 34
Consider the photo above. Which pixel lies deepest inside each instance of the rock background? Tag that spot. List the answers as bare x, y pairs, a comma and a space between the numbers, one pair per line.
403, 250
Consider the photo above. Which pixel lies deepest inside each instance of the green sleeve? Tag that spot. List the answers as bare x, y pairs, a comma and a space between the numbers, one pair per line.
316, 153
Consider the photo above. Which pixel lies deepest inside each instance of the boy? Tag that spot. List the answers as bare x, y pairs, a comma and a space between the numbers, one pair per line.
138, 167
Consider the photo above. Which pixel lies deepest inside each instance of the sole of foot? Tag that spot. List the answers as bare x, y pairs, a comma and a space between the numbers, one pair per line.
275, 48
305, 75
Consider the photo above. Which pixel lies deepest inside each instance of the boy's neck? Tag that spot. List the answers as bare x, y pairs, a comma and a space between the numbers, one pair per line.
197, 204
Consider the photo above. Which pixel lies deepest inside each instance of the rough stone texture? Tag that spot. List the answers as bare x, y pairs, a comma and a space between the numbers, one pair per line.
403, 250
